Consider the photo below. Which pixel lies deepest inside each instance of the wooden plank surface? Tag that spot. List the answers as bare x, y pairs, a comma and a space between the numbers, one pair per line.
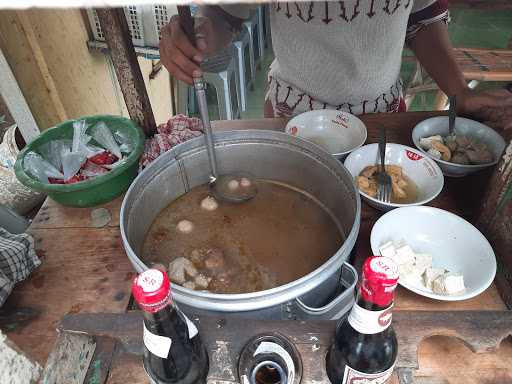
228, 336
82, 270
85, 269
117, 35
56, 216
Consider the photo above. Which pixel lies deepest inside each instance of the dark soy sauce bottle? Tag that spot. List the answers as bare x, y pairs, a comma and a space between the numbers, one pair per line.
173, 350
365, 346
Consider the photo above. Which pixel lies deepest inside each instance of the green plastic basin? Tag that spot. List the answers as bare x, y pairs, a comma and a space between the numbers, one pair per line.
98, 190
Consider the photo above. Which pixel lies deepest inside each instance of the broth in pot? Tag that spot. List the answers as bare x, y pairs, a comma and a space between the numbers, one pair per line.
275, 238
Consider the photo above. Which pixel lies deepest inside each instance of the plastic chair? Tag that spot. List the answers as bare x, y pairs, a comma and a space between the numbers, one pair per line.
261, 32
477, 65
242, 55
251, 29
220, 72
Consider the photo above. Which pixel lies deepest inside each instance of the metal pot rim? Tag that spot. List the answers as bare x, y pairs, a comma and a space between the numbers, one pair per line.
260, 299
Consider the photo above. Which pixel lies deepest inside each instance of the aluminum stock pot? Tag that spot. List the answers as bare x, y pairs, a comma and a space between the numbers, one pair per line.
324, 293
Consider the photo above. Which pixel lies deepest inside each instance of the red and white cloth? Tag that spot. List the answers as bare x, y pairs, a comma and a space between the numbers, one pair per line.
177, 130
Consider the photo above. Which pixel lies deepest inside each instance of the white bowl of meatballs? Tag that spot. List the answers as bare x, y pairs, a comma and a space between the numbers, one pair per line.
472, 147
416, 179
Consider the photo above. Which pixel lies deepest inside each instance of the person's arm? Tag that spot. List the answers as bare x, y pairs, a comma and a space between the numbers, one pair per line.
214, 28
434, 51
427, 36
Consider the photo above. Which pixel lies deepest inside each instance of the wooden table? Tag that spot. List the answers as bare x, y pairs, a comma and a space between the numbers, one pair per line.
85, 270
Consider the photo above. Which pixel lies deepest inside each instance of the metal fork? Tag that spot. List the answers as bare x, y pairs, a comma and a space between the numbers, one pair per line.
383, 179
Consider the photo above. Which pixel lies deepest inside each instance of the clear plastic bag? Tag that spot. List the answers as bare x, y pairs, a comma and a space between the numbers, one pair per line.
73, 159
38, 167
53, 150
92, 150
124, 141
71, 163
92, 170
80, 139
104, 137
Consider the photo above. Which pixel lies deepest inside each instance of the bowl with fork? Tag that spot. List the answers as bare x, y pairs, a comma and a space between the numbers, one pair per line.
412, 177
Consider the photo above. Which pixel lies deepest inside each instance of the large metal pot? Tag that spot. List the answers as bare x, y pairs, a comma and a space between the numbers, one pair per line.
266, 155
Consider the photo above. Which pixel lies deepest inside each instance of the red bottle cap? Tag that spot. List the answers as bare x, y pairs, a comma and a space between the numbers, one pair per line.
380, 277
152, 290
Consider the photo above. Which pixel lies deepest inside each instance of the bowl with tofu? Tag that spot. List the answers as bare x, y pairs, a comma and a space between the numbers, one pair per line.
416, 179
440, 255
337, 132
473, 146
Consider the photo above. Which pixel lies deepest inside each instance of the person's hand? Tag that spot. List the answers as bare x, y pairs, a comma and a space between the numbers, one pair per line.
493, 107
178, 54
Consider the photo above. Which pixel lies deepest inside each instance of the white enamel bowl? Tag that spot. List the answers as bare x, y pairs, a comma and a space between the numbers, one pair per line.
423, 171
439, 126
336, 132
454, 244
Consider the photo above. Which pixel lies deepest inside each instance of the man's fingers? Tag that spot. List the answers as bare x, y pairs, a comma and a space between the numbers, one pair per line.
180, 40
176, 51
179, 74
204, 34
186, 65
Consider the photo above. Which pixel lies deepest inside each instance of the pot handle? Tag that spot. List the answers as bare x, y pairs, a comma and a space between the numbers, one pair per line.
338, 306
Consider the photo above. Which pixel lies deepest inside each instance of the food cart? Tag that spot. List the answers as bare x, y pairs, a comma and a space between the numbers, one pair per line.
83, 286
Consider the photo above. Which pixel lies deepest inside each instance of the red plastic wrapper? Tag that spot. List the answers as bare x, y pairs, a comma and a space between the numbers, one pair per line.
104, 158
72, 180
91, 169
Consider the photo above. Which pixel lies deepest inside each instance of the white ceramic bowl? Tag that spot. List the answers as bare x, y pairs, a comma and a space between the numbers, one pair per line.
424, 172
454, 244
466, 127
337, 132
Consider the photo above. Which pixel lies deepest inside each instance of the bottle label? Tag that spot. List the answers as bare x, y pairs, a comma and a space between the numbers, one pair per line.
353, 376
192, 329
369, 322
157, 345
268, 347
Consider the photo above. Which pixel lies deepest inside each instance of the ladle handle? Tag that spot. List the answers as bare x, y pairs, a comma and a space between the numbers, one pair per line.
200, 87
187, 24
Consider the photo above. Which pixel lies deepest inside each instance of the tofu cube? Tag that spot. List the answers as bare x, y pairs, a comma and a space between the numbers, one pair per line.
387, 250
409, 273
426, 142
423, 261
430, 275
404, 254
454, 283
448, 284
434, 153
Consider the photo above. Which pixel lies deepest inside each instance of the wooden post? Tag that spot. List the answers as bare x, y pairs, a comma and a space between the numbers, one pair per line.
16, 103
495, 220
117, 35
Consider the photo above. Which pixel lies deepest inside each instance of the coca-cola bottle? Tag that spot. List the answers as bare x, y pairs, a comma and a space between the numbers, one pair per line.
173, 350
365, 346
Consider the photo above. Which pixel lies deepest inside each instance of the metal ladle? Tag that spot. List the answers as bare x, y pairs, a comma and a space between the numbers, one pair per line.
231, 188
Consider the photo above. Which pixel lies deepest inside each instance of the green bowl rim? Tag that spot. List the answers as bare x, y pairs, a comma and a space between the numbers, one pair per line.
30, 182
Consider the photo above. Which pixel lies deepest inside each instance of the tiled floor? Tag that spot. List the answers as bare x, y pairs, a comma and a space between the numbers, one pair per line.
468, 28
